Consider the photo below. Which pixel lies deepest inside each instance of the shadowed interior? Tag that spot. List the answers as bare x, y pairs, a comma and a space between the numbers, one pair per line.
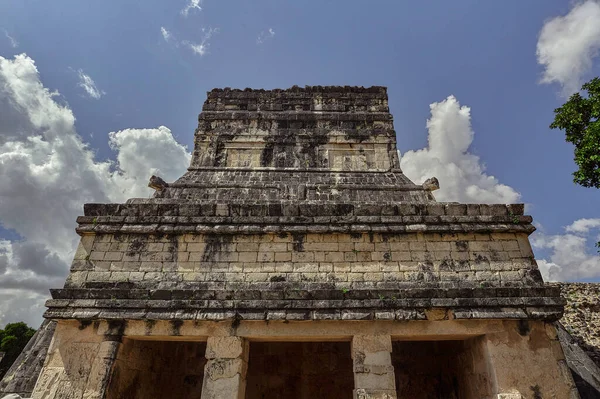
300, 370
441, 369
158, 369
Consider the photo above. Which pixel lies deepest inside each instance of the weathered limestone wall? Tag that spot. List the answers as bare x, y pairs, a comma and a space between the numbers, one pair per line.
582, 316
296, 128
158, 369
527, 359
299, 370
78, 363
352, 260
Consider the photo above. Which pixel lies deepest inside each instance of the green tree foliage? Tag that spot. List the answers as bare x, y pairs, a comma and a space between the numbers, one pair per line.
579, 118
13, 339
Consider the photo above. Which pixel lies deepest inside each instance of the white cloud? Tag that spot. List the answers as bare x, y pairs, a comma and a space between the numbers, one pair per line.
88, 84
570, 258
13, 42
202, 47
264, 35
165, 34
47, 173
191, 5
567, 44
583, 226
142, 153
461, 174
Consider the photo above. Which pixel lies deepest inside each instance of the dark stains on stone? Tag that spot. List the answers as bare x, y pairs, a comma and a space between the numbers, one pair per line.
235, 323
298, 242
447, 265
115, 330
533, 277
214, 246
83, 324
149, 326
172, 247
536, 391
462, 246
176, 327
137, 246
277, 279
343, 209
523, 327
266, 156
481, 258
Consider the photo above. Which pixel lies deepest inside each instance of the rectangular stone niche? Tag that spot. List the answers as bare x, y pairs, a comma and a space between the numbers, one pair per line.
158, 369
300, 370
441, 369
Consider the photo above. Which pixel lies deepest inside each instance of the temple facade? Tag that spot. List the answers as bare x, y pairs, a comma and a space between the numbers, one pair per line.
294, 259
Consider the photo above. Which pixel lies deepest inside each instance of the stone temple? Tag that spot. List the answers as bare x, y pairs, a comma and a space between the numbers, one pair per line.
295, 260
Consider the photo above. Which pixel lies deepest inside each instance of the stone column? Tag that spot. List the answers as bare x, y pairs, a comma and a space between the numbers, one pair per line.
99, 378
225, 371
373, 369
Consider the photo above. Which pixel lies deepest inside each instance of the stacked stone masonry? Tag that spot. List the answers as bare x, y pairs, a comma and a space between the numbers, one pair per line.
295, 228
582, 316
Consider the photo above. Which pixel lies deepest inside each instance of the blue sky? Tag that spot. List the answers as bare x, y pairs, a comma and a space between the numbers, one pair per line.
481, 52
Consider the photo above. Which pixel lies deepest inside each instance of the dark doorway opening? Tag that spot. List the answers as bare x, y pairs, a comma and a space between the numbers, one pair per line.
300, 370
158, 369
441, 369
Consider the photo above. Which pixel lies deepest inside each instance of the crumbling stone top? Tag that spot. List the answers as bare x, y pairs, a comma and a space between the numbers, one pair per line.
308, 89
328, 143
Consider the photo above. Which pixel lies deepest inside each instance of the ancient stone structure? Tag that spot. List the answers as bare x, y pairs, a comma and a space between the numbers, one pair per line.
294, 259
20, 379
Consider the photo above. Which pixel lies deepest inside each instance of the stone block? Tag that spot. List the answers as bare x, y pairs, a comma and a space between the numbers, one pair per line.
226, 347
371, 343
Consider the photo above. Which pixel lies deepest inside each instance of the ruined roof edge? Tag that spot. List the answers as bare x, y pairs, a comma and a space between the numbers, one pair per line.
309, 89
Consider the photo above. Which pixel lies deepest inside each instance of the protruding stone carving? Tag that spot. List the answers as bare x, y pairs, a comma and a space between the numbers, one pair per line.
431, 184
157, 183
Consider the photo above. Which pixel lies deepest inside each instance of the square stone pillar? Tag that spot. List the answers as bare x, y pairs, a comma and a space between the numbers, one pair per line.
373, 369
97, 383
225, 371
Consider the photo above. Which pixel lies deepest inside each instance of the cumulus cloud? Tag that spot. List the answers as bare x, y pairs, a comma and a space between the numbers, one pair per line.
202, 47
567, 45
88, 84
191, 5
583, 226
47, 172
13, 42
570, 258
264, 35
137, 151
461, 174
